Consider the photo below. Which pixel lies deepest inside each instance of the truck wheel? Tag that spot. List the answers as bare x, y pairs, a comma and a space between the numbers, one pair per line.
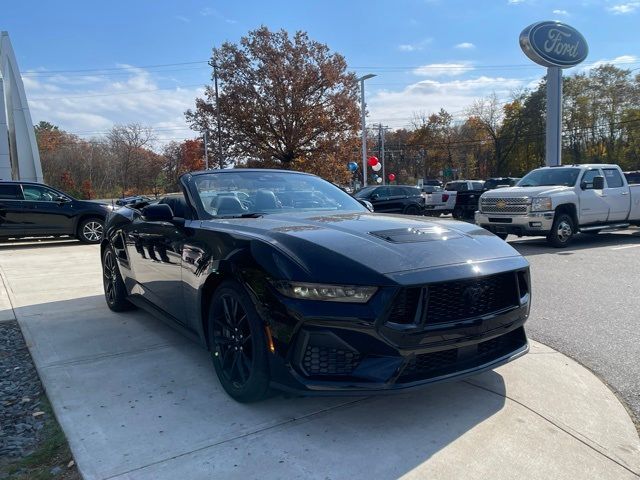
562, 231
458, 213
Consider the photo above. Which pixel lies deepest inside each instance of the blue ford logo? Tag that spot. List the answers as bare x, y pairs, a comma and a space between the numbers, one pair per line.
553, 44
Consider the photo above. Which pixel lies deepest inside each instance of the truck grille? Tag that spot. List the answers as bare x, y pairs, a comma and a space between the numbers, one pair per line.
507, 205
454, 301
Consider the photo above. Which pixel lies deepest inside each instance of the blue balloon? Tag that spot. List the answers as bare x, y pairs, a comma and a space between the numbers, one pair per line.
352, 166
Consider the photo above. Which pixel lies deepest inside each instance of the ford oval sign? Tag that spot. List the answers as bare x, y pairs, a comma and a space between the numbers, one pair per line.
553, 44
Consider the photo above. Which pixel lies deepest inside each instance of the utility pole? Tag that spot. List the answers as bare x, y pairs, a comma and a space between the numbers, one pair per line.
215, 82
382, 135
363, 116
206, 153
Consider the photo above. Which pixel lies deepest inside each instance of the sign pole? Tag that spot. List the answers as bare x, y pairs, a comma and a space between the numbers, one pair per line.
553, 142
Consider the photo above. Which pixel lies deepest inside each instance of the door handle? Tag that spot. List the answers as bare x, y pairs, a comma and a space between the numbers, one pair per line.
624, 193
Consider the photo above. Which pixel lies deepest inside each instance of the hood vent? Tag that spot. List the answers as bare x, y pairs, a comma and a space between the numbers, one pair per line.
412, 235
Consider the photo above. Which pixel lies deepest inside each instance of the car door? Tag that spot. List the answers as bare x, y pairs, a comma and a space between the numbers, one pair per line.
397, 199
12, 211
380, 199
616, 194
593, 206
155, 254
48, 211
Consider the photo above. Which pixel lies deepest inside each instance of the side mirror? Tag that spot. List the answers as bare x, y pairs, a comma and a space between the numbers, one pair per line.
598, 183
62, 199
158, 212
366, 204
374, 196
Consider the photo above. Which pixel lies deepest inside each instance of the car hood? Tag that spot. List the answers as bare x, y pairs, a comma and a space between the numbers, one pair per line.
382, 243
524, 191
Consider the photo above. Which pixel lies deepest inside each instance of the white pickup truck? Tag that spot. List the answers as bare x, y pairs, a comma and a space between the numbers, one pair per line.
561, 201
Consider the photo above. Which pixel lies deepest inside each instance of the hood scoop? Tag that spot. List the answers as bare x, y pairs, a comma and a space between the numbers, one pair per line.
413, 235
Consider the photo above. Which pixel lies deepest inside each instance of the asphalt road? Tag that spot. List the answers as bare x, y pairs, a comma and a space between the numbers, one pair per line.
586, 304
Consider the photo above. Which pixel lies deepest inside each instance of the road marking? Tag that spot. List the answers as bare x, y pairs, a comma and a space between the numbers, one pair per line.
626, 246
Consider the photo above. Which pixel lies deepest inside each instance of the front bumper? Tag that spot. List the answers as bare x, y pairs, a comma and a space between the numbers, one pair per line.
535, 223
363, 352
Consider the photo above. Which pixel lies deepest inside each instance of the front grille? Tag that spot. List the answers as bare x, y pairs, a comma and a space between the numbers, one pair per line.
444, 362
455, 301
451, 301
404, 306
323, 360
513, 205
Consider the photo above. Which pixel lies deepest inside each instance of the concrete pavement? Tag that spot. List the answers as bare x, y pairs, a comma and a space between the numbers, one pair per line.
591, 304
138, 401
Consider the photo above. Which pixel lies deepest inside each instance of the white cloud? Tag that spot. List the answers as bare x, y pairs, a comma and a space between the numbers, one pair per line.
182, 18
450, 69
624, 8
91, 105
515, 2
562, 13
212, 12
465, 46
623, 61
414, 47
397, 108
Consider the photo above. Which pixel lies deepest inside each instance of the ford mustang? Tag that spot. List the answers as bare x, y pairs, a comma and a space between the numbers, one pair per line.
292, 284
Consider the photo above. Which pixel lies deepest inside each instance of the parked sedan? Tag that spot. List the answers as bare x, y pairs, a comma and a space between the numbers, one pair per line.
393, 199
30, 209
316, 294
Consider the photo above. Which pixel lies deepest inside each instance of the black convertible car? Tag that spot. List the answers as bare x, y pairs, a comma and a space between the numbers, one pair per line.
291, 283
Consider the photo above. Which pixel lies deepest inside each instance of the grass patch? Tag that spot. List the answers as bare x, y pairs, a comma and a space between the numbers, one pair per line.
52, 451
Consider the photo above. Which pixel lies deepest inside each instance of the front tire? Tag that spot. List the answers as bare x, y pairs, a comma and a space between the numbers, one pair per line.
115, 292
91, 230
238, 344
562, 231
412, 210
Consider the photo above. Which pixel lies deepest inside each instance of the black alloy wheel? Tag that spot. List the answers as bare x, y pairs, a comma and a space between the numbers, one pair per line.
115, 292
91, 230
238, 344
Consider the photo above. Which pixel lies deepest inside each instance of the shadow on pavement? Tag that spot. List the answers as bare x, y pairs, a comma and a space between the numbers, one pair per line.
582, 241
133, 395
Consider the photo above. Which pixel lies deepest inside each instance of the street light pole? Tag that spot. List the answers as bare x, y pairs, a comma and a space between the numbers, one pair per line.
363, 114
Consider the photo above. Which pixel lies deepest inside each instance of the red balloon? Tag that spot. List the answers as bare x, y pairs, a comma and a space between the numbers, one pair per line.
392, 177
372, 161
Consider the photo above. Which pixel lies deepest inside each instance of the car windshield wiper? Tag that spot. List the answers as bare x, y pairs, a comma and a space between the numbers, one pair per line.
243, 215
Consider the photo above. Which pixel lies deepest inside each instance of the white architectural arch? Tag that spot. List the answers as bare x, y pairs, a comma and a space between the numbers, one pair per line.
19, 157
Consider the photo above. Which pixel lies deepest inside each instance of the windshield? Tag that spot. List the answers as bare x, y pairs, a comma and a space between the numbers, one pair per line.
548, 177
246, 193
456, 186
364, 192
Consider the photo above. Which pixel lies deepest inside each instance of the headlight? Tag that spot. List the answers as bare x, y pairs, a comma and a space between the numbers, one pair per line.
326, 293
541, 204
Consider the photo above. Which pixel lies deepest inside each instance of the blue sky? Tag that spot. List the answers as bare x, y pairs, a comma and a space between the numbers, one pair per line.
80, 59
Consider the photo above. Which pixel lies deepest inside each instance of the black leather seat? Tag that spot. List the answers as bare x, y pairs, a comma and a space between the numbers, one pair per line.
266, 200
229, 206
